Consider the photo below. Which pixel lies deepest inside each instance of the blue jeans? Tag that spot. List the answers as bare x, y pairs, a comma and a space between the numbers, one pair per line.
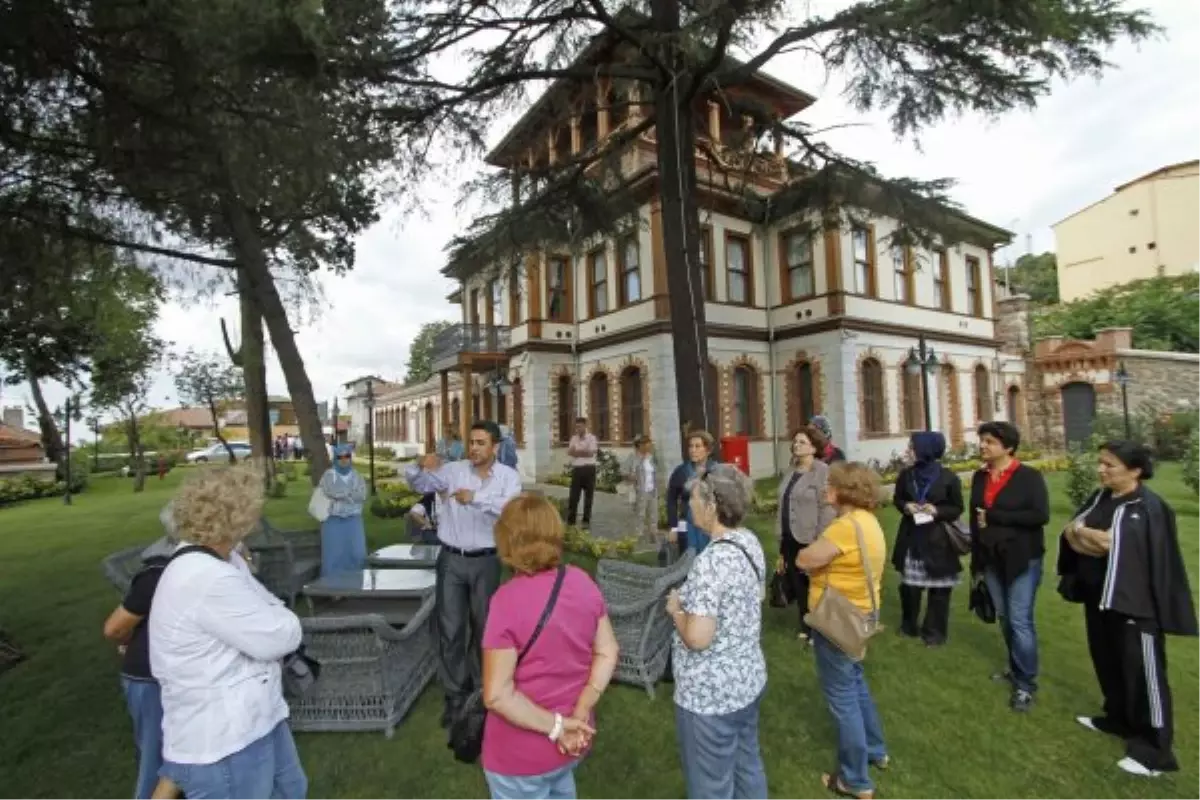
558, 784
860, 733
720, 753
144, 701
1014, 607
266, 768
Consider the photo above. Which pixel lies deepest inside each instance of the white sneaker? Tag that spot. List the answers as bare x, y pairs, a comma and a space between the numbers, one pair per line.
1136, 768
1087, 723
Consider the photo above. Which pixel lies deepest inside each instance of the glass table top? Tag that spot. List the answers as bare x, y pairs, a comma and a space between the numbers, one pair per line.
407, 552
374, 583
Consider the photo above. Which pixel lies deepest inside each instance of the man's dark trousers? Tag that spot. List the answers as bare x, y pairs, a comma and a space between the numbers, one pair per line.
465, 585
583, 479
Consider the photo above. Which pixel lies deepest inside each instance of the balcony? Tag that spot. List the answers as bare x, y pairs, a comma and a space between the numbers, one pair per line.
469, 345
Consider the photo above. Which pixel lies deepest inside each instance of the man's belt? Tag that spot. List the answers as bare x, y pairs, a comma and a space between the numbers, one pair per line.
458, 551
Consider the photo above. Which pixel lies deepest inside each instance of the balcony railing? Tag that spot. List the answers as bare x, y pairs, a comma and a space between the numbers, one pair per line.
448, 344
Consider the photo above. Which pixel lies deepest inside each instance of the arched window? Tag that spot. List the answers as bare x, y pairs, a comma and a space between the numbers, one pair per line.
1014, 406
806, 396
598, 410
632, 421
745, 401
983, 394
404, 424
518, 418
455, 413
874, 405
566, 408
914, 407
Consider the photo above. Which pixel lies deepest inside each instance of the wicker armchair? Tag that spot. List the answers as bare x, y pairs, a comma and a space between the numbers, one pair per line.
285, 560
636, 598
120, 567
371, 673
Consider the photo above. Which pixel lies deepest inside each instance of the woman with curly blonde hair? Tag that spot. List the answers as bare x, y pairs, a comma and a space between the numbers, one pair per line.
216, 641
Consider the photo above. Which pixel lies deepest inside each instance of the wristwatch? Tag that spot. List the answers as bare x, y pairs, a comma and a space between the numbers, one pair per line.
557, 731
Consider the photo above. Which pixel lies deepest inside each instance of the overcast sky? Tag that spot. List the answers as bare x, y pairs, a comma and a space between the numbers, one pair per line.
1023, 172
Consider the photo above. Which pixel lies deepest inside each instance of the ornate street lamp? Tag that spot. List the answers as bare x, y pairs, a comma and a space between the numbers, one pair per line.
1123, 378
370, 404
921, 361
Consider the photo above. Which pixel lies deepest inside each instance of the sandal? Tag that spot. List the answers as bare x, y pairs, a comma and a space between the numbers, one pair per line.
833, 782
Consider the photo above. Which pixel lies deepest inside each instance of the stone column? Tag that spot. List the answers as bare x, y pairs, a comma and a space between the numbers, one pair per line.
467, 403
445, 376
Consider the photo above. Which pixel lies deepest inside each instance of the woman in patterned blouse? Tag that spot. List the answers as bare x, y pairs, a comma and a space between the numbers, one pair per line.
720, 672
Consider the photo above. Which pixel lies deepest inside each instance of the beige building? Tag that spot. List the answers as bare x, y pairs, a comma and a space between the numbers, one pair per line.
1145, 228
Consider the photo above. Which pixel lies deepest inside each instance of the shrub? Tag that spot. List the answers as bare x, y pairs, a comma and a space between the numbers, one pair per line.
1081, 473
394, 501
279, 487
608, 471
576, 540
32, 487
384, 471
381, 453
1191, 461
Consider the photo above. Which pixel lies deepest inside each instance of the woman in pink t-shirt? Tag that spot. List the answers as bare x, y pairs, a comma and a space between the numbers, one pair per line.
540, 711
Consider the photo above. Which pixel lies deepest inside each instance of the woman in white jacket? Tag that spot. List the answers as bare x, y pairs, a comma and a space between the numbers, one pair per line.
216, 641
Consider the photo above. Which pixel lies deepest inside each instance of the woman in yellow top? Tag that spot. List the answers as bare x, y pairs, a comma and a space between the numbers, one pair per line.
836, 560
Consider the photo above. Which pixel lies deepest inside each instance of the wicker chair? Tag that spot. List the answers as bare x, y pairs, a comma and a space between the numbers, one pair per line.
636, 598
120, 567
371, 673
285, 560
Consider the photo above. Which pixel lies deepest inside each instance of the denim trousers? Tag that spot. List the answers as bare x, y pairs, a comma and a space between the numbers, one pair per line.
1015, 602
143, 698
720, 753
557, 784
860, 733
266, 768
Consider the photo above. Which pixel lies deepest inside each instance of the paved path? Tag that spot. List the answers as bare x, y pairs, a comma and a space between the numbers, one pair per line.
612, 515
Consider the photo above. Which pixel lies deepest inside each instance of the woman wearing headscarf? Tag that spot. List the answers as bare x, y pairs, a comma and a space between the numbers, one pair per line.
1119, 557
927, 495
700, 461
827, 451
343, 538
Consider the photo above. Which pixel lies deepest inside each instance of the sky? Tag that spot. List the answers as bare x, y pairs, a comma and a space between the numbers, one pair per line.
1022, 172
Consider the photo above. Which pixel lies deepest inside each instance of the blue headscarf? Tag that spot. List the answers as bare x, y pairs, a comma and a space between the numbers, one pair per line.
338, 452
928, 448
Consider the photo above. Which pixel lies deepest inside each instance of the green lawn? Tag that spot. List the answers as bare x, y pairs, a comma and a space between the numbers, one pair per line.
65, 732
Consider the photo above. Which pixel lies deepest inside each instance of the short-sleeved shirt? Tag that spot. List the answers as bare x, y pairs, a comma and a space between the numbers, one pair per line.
731, 672
136, 663
554, 671
845, 573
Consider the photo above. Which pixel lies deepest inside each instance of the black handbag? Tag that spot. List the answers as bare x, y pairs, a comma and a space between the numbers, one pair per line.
981, 602
779, 594
466, 728
959, 535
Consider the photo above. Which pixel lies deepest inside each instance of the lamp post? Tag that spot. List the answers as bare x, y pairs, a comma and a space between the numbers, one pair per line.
335, 422
921, 361
1122, 377
95, 423
370, 403
67, 490
500, 386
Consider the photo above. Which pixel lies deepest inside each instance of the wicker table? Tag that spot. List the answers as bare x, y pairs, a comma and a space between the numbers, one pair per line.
395, 594
405, 556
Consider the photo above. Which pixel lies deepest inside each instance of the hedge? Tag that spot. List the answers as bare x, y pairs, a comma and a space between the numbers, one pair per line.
31, 487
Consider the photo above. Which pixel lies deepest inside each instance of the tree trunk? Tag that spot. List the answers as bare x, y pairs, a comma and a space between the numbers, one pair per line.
212, 410
254, 375
252, 263
136, 452
52, 441
676, 152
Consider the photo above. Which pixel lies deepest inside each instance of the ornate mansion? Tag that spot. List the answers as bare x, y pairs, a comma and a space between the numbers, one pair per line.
798, 322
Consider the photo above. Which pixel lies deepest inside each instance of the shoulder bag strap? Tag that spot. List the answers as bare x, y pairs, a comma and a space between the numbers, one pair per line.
745, 552
195, 548
550, 603
866, 563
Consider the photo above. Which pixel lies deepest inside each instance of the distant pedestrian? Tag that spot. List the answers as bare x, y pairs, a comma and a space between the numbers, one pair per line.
827, 451
582, 450
343, 538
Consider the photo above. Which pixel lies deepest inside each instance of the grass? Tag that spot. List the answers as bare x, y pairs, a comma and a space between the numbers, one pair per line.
65, 731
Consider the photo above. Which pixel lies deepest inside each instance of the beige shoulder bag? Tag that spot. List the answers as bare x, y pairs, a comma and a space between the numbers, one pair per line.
841, 621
